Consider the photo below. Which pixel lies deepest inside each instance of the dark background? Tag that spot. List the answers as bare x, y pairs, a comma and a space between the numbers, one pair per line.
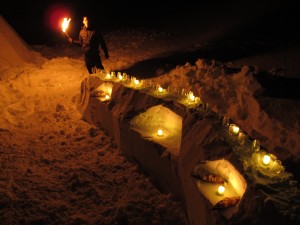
37, 22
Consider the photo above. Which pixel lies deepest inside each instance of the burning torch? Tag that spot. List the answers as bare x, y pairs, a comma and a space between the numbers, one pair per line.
65, 25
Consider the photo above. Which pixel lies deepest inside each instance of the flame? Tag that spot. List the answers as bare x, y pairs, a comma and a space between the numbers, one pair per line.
65, 24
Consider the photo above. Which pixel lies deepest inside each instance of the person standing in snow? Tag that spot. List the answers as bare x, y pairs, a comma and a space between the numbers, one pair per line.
91, 41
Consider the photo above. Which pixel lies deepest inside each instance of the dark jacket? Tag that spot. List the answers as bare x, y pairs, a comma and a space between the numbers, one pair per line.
91, 41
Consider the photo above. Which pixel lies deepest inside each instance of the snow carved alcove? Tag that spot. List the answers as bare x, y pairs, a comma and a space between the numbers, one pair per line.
220, 182
161, 125
155, 152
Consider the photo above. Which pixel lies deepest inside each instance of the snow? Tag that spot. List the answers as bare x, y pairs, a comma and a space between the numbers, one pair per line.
61, 160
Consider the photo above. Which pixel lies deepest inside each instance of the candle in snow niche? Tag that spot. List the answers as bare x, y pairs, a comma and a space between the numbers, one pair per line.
233, 129
159, 132
221, 190
256, 145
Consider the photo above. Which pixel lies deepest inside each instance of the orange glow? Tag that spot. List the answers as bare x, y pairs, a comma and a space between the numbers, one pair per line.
65, 24
54, 14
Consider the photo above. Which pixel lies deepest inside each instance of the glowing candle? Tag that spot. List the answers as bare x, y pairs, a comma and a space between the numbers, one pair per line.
233, 129
221, 190
160, 89
107, 97
120, 77
159, 132
136, 82
191, 97
108, 76
266, 160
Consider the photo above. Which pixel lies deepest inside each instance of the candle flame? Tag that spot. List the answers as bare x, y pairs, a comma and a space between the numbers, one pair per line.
233, 129
266, 159
236, 129
159, 132
65, 24
221, 190
191, 96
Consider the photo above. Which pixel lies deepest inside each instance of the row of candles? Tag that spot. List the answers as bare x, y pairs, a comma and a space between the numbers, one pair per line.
263, 161
259, 158
189, 97
130, 80
135, 83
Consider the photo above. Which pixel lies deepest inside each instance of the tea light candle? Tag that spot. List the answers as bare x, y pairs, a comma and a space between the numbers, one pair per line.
233, 129
107, 97
266, 160
136, 82
108, 76
160, 89
159, 132
221, 190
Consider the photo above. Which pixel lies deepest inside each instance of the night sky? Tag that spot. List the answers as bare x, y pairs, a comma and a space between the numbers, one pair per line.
38, 21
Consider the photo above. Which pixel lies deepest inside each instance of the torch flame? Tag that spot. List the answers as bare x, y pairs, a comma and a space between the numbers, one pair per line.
65, 24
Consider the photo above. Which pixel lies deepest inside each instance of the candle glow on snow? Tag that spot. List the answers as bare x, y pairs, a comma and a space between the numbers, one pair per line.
233, 129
